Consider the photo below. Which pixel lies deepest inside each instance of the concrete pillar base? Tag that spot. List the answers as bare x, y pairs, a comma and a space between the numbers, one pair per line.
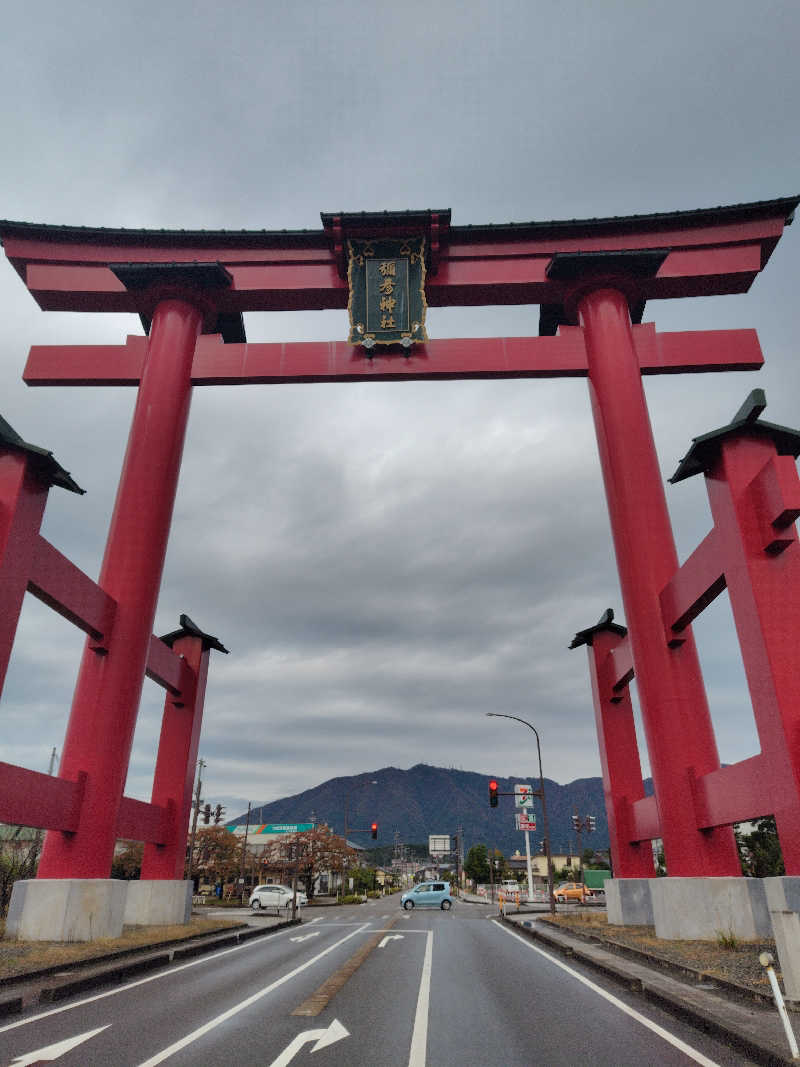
66, 909
158, 902
783, 901
702, 909
629, 902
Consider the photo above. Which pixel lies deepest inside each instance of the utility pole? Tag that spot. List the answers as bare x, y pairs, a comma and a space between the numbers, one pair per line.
190, 861
244, 850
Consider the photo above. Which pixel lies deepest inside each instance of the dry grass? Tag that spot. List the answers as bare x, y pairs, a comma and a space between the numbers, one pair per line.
733, 960
22, 957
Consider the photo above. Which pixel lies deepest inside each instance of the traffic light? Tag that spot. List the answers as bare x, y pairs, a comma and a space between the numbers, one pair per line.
219, 811
493, 794
542, 848
576, 822
207, 814
374, 829
592, 823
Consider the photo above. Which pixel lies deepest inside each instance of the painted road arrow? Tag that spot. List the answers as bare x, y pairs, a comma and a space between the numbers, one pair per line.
304, 937
390, 937
53, 1052
323, 1038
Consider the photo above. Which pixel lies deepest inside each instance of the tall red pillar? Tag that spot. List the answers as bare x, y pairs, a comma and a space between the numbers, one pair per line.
106, 701
675, 715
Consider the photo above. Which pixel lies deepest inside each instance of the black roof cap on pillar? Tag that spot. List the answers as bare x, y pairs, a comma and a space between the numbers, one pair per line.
191, 629
195, 275
45, 462
705, 448
605, 625
640, 263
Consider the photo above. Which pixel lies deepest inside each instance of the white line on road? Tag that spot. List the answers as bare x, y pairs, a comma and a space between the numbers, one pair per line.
212, 957
56, 1051
212, 1023
693, 1054
419, 1039
329, 1036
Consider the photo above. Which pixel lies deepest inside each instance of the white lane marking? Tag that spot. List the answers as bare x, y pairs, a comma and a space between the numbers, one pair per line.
676, 1042
211, 958
213, 1023
305, 937
328, 1036
53, 1052
419, 1039
388, 938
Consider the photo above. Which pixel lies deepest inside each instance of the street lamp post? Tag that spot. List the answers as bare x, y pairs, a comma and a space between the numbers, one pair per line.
539, 793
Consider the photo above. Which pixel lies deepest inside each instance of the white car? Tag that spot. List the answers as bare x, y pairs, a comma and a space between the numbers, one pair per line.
275, 896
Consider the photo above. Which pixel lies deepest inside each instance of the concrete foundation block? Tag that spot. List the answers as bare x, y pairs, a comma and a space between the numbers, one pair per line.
700, 909
783, 894
783, 901
158, 902
66, 909
786, 927
629, 901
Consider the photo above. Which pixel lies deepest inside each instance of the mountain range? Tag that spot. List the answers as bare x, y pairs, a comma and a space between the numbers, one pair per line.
410, 805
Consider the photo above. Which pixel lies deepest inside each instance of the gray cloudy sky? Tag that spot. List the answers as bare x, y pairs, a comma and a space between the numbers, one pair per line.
386, 562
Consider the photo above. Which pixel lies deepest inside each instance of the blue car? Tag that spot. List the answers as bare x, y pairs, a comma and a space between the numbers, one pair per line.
428, 895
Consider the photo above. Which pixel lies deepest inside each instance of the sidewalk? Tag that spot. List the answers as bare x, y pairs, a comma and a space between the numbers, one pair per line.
740, 1017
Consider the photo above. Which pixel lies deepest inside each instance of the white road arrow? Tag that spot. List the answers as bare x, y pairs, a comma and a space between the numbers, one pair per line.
53, 1052
304, 937
390, 937
334, 1032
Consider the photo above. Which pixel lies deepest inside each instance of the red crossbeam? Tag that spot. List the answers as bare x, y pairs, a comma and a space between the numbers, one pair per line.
30, 798
320, 361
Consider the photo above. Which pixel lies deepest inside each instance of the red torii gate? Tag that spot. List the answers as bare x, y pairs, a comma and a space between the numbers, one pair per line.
591, 279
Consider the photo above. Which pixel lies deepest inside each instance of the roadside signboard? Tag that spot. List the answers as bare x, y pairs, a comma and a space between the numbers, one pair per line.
525, 821
523, 796
439, 844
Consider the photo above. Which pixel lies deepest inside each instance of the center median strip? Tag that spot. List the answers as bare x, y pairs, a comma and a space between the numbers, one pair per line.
320, 999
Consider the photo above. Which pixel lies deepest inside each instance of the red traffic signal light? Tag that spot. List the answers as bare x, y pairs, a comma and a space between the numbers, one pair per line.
374, 829
493, 793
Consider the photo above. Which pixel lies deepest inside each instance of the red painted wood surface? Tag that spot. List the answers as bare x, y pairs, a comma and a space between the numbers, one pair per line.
718, 251
619, 758
105, 705
176, 761
320, 361
669, 681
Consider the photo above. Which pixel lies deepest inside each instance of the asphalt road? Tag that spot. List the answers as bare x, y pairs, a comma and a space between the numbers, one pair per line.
370, 985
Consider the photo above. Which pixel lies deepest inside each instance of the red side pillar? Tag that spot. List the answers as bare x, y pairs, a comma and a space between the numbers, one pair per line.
755, 497
677, 724
177, 756
23, 495
619, 758
106, 701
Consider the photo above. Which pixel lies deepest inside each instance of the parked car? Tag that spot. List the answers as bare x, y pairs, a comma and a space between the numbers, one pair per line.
428, 895
275, 896
566, 891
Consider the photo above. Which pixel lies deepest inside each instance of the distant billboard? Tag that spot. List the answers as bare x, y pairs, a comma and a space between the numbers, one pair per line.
285, 827
439, 844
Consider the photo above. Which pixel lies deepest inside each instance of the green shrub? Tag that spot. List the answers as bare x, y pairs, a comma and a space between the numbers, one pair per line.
352, 898
727, 939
